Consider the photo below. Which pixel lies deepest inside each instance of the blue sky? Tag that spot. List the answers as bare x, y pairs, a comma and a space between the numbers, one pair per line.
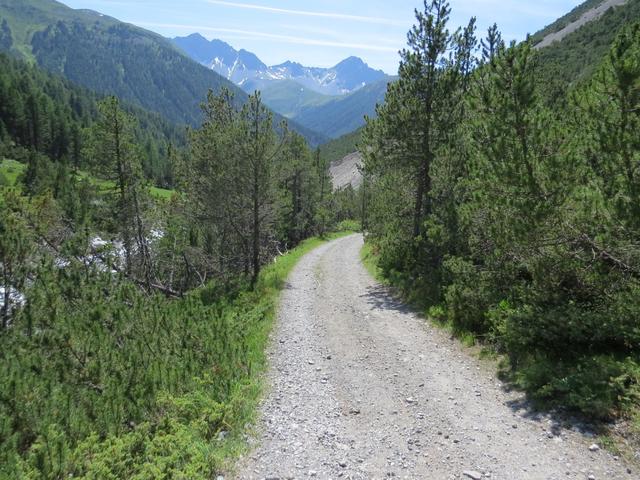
320, 33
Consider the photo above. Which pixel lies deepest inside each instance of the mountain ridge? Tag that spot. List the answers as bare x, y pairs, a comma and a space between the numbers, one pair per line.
246, 70
110, 57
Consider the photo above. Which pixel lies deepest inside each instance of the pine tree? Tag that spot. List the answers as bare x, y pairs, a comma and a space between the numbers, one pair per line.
258, 153
115, 157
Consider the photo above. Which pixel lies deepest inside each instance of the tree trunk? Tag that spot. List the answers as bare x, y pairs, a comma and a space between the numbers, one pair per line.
256, 227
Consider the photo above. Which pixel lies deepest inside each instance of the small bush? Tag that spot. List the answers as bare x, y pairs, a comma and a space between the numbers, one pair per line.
468, 297
595, 386
348, 226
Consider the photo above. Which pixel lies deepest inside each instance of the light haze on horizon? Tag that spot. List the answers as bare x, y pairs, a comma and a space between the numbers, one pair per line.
321, 33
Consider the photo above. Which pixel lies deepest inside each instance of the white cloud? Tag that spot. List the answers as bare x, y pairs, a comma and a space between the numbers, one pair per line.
272, 36
307, 13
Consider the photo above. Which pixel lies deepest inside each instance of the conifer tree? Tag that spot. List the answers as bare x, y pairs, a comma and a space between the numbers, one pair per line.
258, 152
115, 157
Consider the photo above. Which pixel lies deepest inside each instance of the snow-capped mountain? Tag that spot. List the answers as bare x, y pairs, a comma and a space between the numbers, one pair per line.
249, 72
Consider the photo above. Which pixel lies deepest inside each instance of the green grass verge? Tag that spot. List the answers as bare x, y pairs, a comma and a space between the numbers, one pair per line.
369, 257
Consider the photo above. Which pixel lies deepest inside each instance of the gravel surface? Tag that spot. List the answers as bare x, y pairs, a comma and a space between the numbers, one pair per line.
361, 388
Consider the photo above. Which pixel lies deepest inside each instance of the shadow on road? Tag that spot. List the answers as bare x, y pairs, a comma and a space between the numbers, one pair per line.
380, 298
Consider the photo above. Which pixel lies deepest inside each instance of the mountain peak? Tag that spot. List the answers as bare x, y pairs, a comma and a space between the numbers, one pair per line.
351, 61
197, 36
247, 70
251, 61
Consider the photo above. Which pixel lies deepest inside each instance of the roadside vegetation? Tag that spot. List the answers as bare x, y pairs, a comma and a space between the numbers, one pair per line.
513, 218
134, 319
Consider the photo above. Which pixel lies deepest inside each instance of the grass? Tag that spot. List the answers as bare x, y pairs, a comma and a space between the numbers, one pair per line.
10, 170
369, 257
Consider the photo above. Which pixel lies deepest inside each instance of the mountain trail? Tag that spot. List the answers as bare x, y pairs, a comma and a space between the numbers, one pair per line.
362, 388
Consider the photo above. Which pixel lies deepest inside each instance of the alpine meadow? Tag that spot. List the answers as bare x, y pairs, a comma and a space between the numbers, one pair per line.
212, 267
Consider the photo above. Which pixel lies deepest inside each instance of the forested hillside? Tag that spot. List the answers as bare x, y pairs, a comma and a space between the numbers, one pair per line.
115, 58
567, 19
42, 114
512, 219
341, 147
343, 115
578, 55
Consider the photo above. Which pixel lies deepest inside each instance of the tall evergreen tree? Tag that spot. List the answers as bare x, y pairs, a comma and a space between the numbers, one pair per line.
115, 157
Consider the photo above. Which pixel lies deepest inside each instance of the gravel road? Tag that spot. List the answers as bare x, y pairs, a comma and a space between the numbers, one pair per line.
361, 388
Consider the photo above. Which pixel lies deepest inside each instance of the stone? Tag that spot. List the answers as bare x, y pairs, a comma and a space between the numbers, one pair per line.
473, 475
594, 447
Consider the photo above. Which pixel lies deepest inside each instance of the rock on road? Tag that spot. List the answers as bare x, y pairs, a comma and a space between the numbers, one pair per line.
362, 388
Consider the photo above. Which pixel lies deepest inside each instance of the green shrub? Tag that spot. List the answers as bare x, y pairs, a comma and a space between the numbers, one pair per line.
595, 386
100, 381
468, 297
348, 226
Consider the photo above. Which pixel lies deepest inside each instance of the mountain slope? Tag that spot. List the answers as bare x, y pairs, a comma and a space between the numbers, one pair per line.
344, 114
580, 15
59, 111
289, 98
335, 150
248, 71
111, 57
588, 16
576, 56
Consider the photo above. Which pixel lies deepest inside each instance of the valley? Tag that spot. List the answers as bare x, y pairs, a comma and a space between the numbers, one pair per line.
330, 101
259, 241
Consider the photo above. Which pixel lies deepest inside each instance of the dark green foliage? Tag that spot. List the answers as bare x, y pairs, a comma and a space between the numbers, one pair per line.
251, 191
100, 379
6, 39
91, 355
341, 147
577, 57
48, 114
526, 235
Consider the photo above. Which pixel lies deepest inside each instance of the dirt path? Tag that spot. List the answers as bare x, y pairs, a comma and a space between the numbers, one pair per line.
361, 388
